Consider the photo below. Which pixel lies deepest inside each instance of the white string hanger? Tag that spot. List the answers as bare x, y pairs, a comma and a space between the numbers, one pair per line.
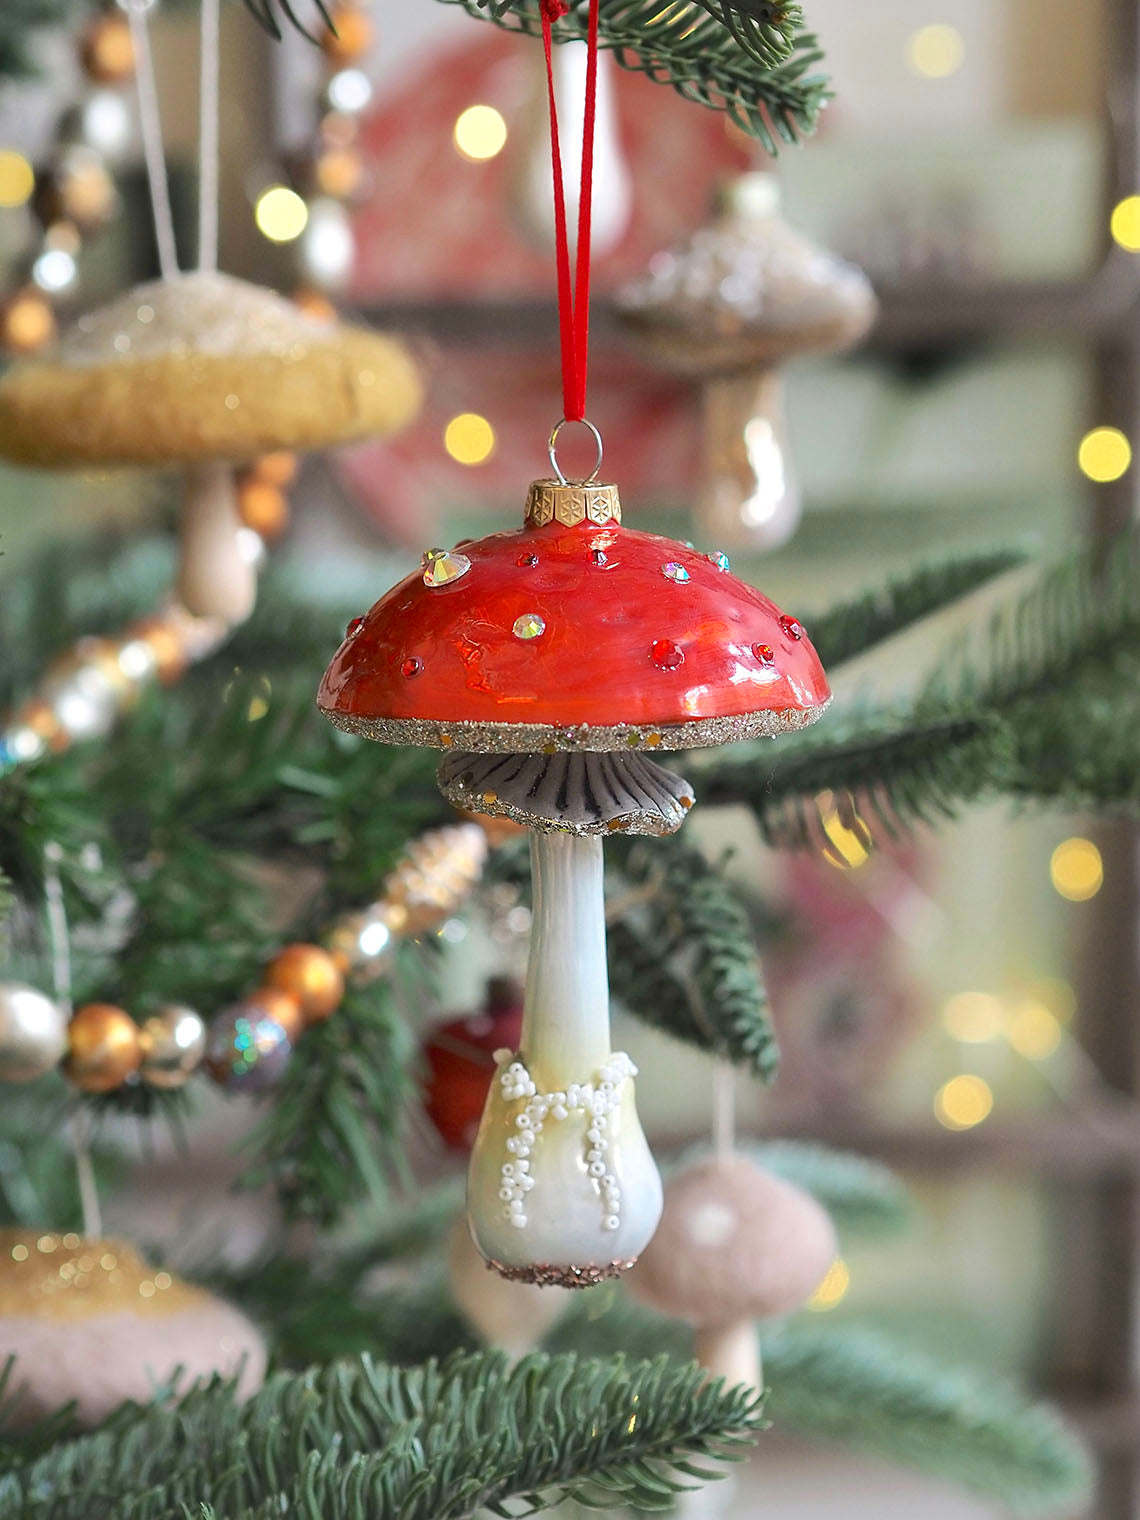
150, 122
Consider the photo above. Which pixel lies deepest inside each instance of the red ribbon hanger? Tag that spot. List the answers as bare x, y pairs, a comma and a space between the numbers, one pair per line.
573, 301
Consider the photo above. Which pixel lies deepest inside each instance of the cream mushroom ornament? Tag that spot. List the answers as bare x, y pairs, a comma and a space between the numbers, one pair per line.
203, 371
551, 665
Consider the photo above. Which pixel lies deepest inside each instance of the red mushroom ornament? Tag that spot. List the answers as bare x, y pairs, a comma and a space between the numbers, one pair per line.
550, 664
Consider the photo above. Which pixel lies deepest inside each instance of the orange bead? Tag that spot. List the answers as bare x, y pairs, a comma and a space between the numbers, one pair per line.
169, 649
41, 718
314, 304
339, 173
263, 508
106, 52
277, 469
281, 1006
103, 1047
309, 974
352, 37
27, 322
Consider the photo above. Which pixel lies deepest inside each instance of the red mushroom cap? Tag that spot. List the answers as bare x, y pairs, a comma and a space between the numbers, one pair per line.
584, 636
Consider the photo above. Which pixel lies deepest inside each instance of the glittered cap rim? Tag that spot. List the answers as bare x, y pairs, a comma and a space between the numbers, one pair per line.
538, 738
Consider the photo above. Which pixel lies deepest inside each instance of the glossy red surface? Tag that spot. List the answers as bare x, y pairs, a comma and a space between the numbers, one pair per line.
607, 604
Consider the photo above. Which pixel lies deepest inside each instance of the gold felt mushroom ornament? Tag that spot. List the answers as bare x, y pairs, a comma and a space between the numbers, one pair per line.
727, 308
204, 371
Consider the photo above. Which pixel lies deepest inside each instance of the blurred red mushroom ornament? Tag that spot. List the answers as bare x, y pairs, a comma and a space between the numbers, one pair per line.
460, 1057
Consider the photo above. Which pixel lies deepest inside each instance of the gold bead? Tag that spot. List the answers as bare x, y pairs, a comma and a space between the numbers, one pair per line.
172, 1042
103, 1049
339, 173
27, 321
352, 36
107, 52
166, 644
309, 974
262, 507
76, 188
42, 719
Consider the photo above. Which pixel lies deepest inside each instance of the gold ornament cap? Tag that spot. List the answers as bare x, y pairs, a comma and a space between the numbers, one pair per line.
65, 1277
571, 503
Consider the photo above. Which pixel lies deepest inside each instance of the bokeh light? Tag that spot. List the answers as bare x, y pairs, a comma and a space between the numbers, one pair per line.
833, 1289
17, 178
480, 133
974, 1017
1076, 869
281, 214
469, 438
936, 51
1125, 224
963, 1102
1034, 1031
1104, 454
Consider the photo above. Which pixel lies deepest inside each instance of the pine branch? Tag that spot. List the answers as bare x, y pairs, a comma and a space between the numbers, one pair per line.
724, 55
851, 628
335, 1127
902, 766
363, 1441
685, 961
850, 1385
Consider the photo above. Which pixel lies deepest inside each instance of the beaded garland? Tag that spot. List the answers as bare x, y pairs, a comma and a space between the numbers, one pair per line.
596, 1101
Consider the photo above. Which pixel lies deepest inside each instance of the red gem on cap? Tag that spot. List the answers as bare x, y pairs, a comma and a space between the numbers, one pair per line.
665, 653
792, 627
411, 666
354, 628
764, 653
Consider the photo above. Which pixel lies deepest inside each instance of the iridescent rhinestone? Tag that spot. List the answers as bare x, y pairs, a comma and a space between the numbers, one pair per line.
598, 556
665, 653
791, 627
764, 653
527, 561
675, 572
719, 559
529, 626
354, 628
443, 565
411, 666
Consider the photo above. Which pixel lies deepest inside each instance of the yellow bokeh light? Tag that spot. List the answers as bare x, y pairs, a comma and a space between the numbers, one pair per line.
1077, 870
936, 51
833, 1289
469, 438
1034, 1032
1104, 454
17, 178
480, 133
1125, 224
1058, 996
974, 1017
281, 215
964, 1101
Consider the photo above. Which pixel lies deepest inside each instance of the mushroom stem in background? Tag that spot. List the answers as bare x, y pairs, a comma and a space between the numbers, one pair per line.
214, 577
749, 493
731, 1352
589, 1194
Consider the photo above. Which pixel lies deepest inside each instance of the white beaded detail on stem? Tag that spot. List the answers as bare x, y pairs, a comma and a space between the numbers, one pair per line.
596, 1101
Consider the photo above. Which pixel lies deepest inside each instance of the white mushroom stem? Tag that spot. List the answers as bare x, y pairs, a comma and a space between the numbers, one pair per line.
562, 1182
566, 1014
750, 494
215, 578
731, 1352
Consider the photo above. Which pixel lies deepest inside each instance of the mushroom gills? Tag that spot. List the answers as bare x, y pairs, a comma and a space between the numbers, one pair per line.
586, 793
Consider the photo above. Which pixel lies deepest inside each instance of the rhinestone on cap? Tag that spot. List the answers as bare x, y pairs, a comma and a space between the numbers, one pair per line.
665, 653
441, 566
719, 559
792, 627
764, 653
675, 572
411, 666
354, 628
529, 626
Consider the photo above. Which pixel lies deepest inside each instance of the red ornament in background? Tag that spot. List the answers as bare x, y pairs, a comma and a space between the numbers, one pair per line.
461, 1064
